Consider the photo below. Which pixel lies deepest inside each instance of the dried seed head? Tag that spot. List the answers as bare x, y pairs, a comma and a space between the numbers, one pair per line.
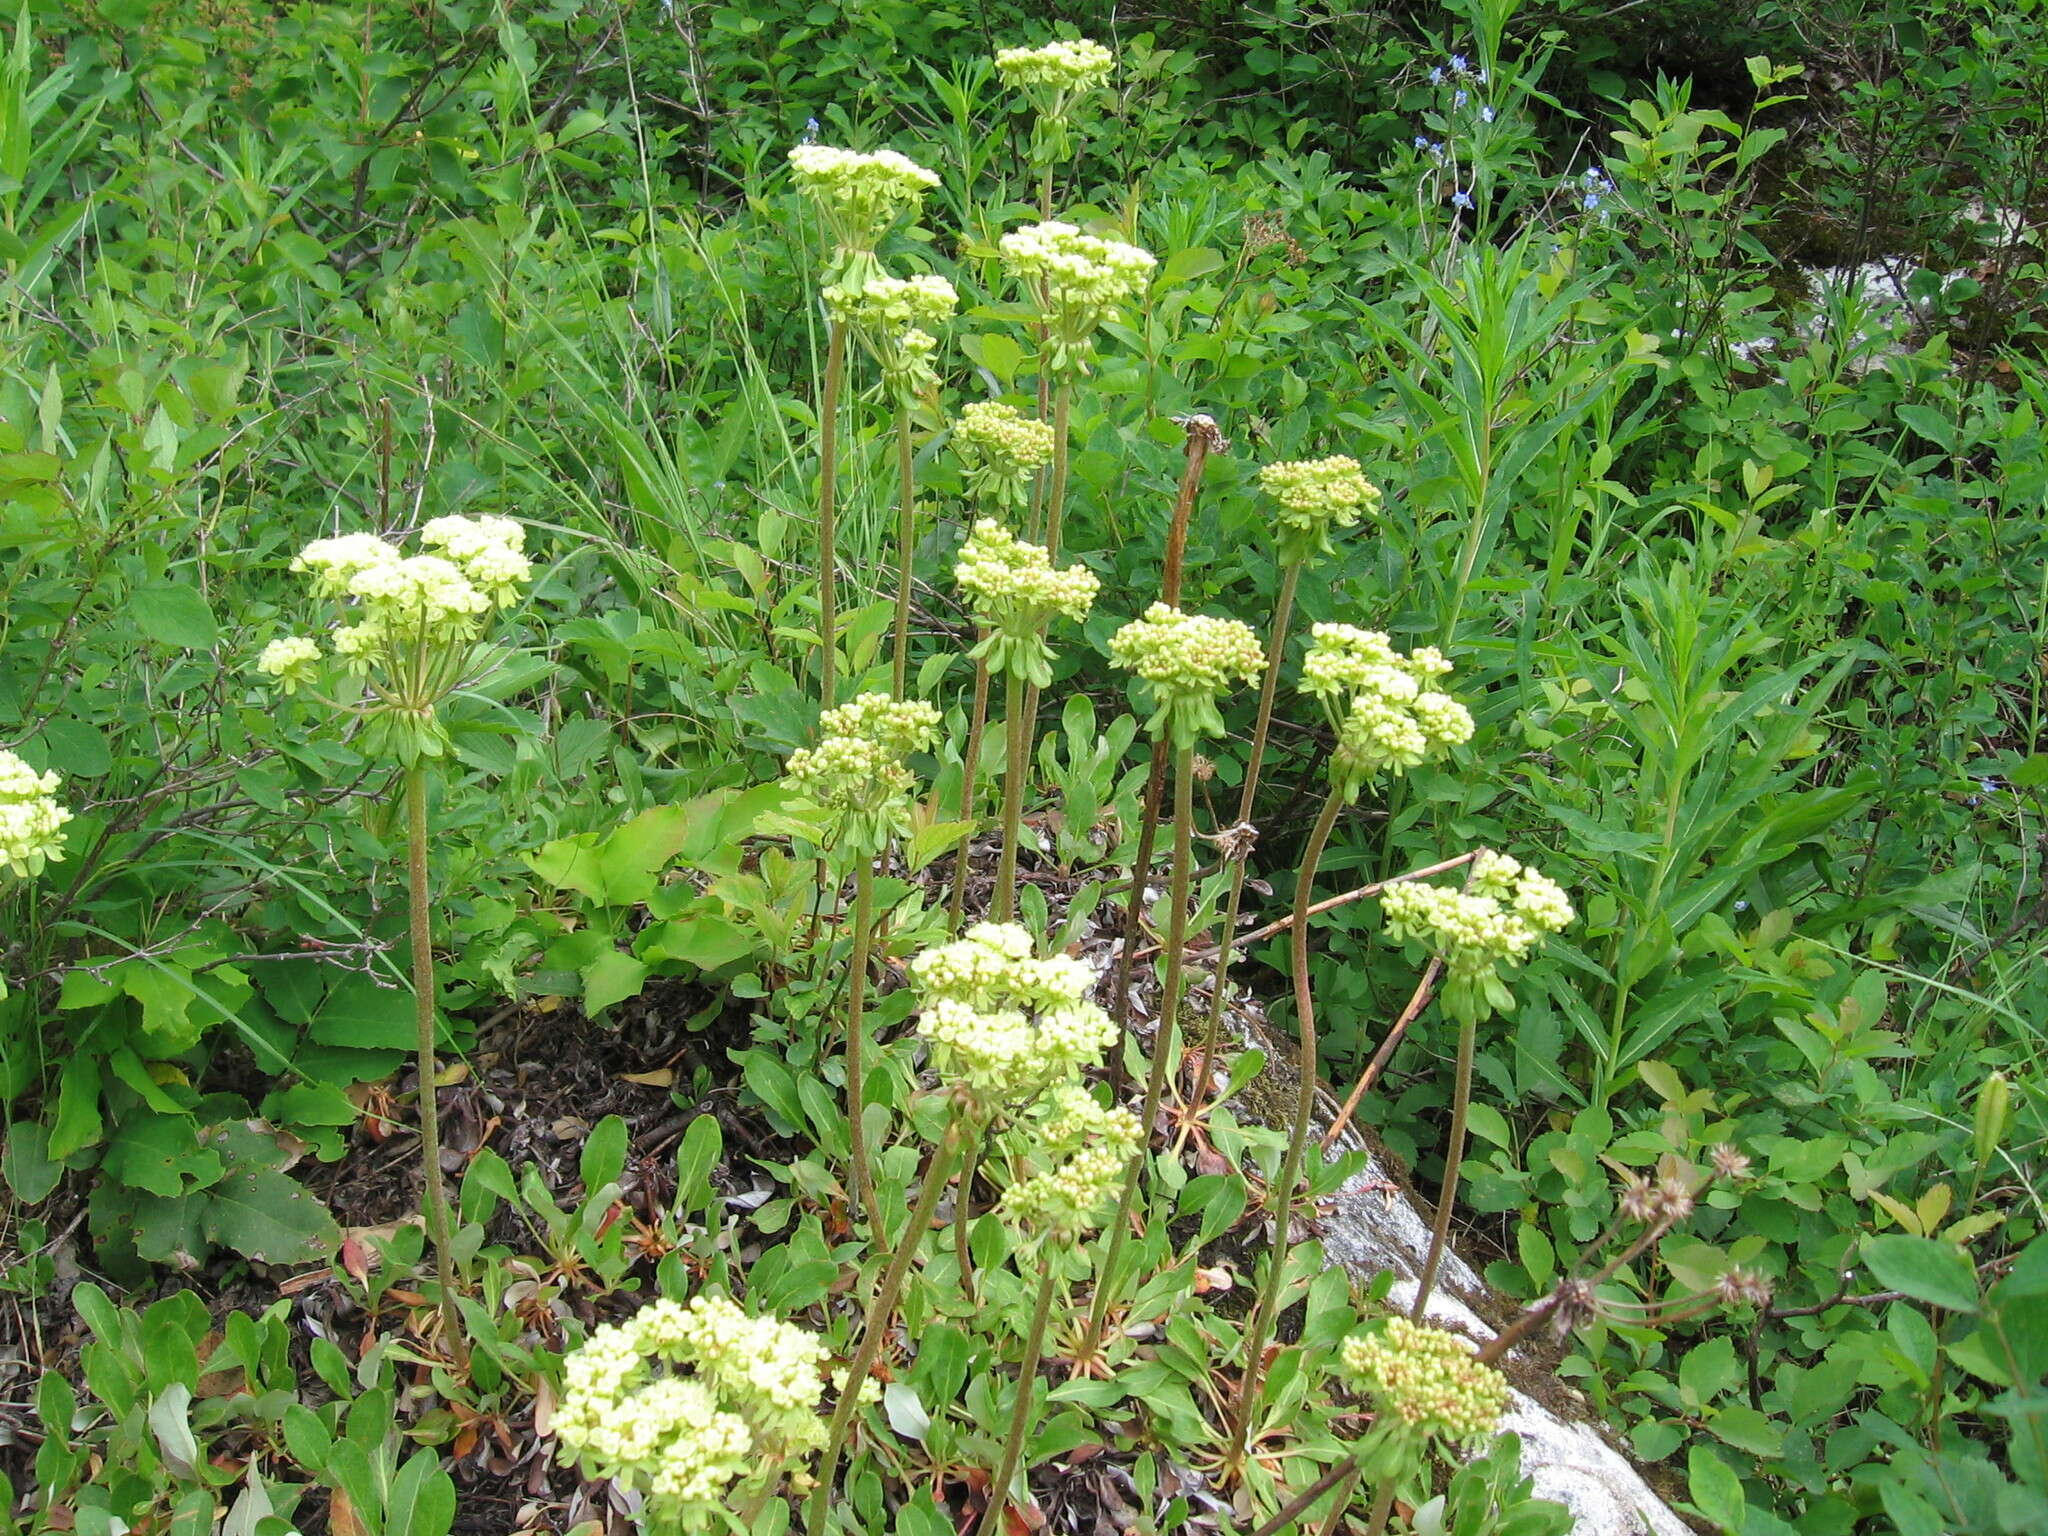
1744, 1288
1730, 1162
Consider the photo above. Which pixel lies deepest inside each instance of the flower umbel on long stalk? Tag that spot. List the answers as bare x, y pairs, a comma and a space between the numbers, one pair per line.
1389, 720
1314, 497
31, 820
1014, 592
1187, 661
1055, 79
858, 775
407, 631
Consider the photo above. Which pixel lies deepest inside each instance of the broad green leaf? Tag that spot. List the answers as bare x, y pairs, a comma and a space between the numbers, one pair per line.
1937, 1273
174, 616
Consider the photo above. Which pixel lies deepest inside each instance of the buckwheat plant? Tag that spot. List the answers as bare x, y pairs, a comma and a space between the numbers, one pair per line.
860, 196
403, 639
1389, 718
1505, 911
1186, 661
1014, 593
894, 317
1055, 79
699, 1407
1313, 498
1430, 1392
857, 773
1003, 1026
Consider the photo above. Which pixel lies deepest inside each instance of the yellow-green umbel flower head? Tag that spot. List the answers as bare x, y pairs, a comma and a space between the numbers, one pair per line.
31, 820
1014, 593
1080, 280
860, 196
1427, 1380
1055, 78
857, 770
1003, 1023
1315, 496
1001, 449
405, 624
1497, 922
1188, 660
1389, 717
685, 1402
1077, 1151
894, 317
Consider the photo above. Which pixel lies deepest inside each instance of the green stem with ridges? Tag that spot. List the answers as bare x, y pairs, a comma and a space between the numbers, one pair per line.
1016, 727
1454, 1154
906, 539
856, 1045
828, 511
957, 903
1020, 1412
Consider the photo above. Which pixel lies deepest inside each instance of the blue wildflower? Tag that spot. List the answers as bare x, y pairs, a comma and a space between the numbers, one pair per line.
1457, 64
1592, 201
1486, 114
1461, 199
1421, 142
1436, 76
1461, 98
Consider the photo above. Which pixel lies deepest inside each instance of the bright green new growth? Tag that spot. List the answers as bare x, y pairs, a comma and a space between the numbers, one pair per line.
31, 820
1080, 1149
1004, 1024
682, 1402
1014, 592
857, 772
1430, 1380
1389, 719
1316, 496
1000, 448
1187, 659
1508, 908
1080, 280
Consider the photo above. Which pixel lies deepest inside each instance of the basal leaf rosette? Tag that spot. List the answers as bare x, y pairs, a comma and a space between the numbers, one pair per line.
1313, 497
1014, 593
1055, 78
1079, 280
1000, 448
1071, 1154
1004, 1024
860, 195
405, 625
1495, 923
31, 820
1188, 661
1388, 715
694, 1405
857, 772
1426, 1383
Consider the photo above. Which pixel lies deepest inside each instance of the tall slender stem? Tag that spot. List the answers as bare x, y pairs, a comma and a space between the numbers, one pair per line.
963, 1224
1162, 1042
1226, 942
1297, 1139
828, 510
434, 1195
906, 539
1020, 1411
1062, 418
875, 1324
1335, 1517
957, 904
856, 1047
1305, 1500
1382, 1508
1454, 1153
1417, 1001
1017, 727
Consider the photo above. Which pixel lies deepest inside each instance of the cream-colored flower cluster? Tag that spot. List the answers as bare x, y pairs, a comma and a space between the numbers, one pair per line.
31, 820
1507, 911
857, 767
1389, 718
748, 1402
1064, 65
1428, 1379
859, 194
1003, 1023
1188, 659
1013, 591
1081, 279
1081, 1150
889, 304
1001, 449
1315, 496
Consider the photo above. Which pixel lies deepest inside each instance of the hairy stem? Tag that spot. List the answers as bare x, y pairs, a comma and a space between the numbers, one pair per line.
434, 1194
906, 539
1017, 728
856, 1046
828, 510
1454, 1152
1020, 1412
957, 903
1297, 1139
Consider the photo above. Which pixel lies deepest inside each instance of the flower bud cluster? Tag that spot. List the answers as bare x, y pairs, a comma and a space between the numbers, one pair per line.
1497, 922
31, 820
1188, 659
888, 304
1080, 279
1065, 65
1315, 496
857, 768
683, 1401
1000, 448
1392, 720
1428, 1379
1081, 1150
859, 194
1003, 1023
1014, 592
